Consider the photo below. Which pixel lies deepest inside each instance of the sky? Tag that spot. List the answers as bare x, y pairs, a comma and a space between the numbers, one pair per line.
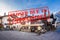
13, 5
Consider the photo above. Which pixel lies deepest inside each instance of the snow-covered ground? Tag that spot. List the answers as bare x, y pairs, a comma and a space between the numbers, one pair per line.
17, 35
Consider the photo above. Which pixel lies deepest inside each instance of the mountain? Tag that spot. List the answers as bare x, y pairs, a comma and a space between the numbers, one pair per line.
57, 15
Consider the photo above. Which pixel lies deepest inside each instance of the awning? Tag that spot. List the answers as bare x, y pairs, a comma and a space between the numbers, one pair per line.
33, 25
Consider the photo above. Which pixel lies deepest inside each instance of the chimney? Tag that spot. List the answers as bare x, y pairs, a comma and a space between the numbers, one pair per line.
5, 14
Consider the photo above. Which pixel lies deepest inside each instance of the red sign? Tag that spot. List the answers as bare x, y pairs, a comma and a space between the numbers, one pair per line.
28, 15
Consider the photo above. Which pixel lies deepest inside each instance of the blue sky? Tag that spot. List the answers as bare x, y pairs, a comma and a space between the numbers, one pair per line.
12, 5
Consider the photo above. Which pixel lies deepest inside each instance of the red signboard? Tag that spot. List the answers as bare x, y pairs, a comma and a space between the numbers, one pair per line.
28, 15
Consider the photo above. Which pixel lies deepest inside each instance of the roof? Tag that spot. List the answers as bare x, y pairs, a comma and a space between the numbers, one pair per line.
5, 16
1, 17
